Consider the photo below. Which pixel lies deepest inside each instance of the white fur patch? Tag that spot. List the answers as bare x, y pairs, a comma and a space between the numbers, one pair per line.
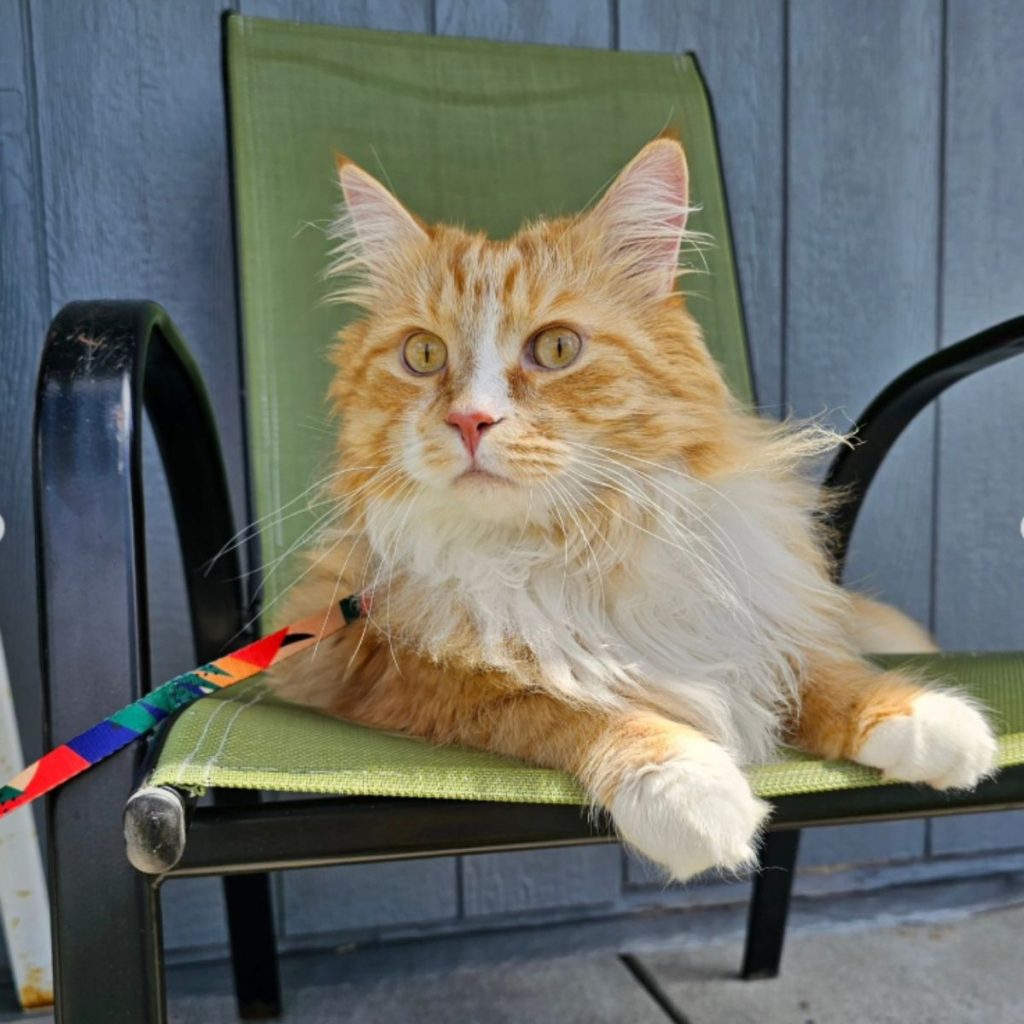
708, 617
488, 388
944, 742
690, 814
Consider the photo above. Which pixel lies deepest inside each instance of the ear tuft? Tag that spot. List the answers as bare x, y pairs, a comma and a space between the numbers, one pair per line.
642, 216
372, 231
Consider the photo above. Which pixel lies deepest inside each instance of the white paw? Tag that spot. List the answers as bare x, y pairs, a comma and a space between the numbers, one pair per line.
691, 813
944, 742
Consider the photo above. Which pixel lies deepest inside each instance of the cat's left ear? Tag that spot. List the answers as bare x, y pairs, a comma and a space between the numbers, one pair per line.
642, 216
374, 227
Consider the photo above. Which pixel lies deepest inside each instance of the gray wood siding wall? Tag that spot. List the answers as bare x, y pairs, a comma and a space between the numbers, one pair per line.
873, 152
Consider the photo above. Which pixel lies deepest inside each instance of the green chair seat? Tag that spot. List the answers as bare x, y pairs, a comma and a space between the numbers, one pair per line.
245, 738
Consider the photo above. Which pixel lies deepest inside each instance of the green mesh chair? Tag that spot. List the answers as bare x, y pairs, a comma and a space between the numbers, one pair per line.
480, 133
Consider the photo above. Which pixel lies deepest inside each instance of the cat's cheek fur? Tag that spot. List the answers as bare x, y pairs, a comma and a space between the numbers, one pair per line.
943, 741
691, 813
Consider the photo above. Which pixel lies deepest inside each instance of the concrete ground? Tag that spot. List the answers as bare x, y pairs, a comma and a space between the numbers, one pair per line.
918, 954
957, 973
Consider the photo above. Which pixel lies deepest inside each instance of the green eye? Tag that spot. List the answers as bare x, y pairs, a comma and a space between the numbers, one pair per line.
556, 347
424, 353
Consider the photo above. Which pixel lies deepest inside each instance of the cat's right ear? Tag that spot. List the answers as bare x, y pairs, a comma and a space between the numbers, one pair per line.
642, 216
374, 227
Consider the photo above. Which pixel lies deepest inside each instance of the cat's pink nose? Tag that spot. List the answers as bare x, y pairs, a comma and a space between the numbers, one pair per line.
472, 426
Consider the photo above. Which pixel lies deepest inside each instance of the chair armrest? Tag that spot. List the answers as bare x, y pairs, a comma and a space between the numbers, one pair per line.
104, 363
893, 409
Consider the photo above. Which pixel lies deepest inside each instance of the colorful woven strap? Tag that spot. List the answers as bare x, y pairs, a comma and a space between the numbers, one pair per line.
137, 719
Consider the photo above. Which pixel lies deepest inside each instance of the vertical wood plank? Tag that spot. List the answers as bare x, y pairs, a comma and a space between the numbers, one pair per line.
979, 553
400, 15
133, 137
863, 208
578, 23
979, 547
136, 186
24, 305
135, 194
739, 45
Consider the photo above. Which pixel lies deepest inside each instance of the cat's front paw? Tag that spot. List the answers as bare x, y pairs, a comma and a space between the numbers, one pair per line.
943, 741
691, 813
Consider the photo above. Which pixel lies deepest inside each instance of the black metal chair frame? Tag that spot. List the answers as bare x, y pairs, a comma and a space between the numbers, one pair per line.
103, 365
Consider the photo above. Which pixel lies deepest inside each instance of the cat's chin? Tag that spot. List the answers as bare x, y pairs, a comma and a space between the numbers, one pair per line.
483, 500
481, 478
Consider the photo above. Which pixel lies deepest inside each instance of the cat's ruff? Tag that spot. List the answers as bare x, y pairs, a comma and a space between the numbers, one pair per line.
703, 612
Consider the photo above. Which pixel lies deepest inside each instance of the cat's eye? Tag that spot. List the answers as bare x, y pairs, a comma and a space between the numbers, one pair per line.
556, 347
424, 353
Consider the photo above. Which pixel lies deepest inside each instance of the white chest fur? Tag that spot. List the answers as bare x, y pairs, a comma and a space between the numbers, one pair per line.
696, 601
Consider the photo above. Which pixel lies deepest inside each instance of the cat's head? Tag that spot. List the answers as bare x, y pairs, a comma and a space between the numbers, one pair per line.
496, 376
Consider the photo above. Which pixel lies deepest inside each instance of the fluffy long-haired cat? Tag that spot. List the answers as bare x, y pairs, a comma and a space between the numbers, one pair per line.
581, 551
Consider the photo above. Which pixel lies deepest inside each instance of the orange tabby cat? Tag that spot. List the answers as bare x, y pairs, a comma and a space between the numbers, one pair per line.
582, 552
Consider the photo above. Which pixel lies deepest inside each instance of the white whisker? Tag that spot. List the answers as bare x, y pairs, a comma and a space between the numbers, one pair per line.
583, 534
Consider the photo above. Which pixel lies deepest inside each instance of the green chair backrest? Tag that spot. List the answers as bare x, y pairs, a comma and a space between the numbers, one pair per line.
478, 133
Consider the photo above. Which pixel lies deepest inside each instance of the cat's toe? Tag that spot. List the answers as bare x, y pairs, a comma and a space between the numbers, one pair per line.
944, 742
691, 813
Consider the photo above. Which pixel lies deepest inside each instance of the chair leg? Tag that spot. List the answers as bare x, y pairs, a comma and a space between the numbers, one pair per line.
250, 910
107, 939
769, 905
253, 946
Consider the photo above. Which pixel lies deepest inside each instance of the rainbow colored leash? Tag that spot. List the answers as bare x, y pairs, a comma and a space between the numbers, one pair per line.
143, 716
